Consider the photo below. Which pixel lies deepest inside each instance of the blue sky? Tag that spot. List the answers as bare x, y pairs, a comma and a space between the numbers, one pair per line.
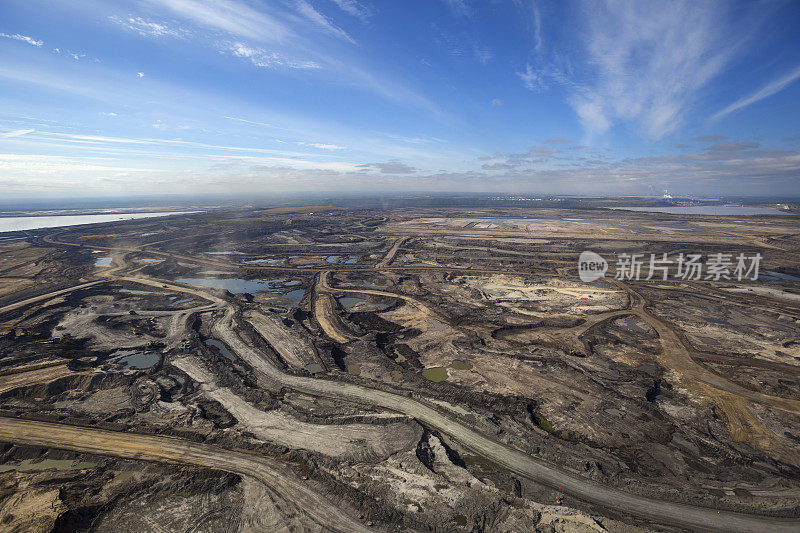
520, 96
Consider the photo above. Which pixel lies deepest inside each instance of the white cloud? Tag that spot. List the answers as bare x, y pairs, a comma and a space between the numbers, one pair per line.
108, 144
77, 56
532, 80
768, 90
251, 122
323, 146
537, 28
648, 61
14, 133
497, 102
459, 7
483, 55
529, 12
390, 167
229, 16
264, 59
54, 165
147, 28
359, 10
321, 20
590, 112
140, 74
103, 113
24, 38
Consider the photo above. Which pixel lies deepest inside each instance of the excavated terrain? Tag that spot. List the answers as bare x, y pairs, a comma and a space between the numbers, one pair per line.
327, 369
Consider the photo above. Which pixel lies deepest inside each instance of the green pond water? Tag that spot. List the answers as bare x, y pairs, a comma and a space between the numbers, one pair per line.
436, 374
461, 365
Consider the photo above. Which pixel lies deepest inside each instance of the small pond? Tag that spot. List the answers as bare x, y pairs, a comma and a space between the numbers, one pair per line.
221, 347
139, 360
236, 285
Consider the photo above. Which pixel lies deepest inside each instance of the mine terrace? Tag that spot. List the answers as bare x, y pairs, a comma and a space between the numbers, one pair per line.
323, 368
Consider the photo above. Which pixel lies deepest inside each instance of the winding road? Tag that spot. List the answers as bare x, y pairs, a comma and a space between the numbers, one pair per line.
226, 329
272, 473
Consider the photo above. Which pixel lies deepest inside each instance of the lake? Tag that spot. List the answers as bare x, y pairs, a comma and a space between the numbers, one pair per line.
236, 285
57, 221
709, 210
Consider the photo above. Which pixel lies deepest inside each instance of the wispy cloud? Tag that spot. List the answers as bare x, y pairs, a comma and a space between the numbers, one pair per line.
733, 147
251, 122
709, 138
361, 11
531, 79
483, 55
77, 56
537, 27
305, 9
265, 59
322, 146
24, 38
530, 14
14, 133
647, 62
230, 16
773, 87
147, 28
459, 7
390, 167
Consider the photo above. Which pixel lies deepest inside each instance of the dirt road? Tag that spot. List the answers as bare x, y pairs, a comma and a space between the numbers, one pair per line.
675, 514
226, 329
277, 476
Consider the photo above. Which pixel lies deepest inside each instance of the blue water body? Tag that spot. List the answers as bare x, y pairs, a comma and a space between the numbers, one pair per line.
235, 285
140, 361
259, 261
782, 276
151, 260
778, 275
348, 302
709, 210
102, 261
221, 347
295, 295
57, 221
